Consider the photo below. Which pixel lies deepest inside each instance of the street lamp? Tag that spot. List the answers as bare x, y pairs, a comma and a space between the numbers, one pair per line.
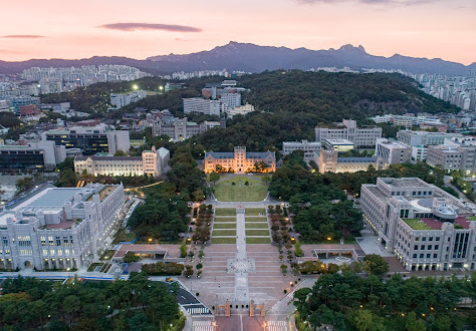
214, 326
135, 87
264, 326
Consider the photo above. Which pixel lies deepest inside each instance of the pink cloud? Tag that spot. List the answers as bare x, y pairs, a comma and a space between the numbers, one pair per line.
149, 26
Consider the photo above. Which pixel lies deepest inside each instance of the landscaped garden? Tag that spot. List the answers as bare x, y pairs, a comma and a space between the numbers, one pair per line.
240, 188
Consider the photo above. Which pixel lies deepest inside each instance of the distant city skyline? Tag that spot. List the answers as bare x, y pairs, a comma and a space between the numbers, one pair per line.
55, 29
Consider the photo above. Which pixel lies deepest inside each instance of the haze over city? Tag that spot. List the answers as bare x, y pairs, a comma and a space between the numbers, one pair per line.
54, 29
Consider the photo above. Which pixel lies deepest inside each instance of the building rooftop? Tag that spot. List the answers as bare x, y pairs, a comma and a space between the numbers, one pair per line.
356, 159
340, 141
432, 224
406, 182
51, 198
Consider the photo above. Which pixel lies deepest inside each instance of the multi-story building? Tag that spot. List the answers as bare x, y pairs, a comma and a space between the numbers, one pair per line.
202, 106
419, 154
361, 137
240, 161
59, 228
123, 99
309, 148
232, 100
418, 138
17, 102
427, 228
36, 155
392, 152
29, 111
328, 160
152, 163
181, 129
92, 140
4, 106
458, 153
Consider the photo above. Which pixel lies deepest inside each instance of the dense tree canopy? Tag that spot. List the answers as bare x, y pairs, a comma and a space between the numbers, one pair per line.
350, 302
135, 304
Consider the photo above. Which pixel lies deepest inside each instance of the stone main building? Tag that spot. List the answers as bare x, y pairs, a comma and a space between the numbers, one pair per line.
240, 161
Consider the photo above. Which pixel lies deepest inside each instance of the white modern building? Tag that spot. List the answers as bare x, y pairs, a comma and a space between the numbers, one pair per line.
418, 138
392, 152
340, 145
119, 100
59, 228
232, 100
328, 160
181, 129
202, 106
152, 163
310, 148
240, 110
427, 228
361, 137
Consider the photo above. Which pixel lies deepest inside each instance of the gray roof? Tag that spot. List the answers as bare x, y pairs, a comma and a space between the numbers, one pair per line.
356, 159
56, 197
231, 155
108, 158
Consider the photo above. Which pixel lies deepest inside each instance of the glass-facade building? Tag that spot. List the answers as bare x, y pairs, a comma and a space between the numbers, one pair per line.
21, 159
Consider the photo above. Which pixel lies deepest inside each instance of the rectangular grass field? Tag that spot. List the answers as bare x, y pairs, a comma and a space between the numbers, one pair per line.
225, 233
224, 226
257, 240
225, 212
255, 233
225, 220
256, 219
256, 225
255, 211
224, 241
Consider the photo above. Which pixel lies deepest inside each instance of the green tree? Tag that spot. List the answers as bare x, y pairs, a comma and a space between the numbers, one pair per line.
120, 152
414, 324
183, 249
131, 257
214, 177
375, 264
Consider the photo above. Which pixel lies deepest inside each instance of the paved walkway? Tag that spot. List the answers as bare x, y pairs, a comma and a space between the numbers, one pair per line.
241, 265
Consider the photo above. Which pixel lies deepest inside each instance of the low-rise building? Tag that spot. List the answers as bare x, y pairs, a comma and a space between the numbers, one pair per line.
59, 228
240, 110
328, 160
152, 163
310, 148
240, 161
419, 138
340, 145
427, 228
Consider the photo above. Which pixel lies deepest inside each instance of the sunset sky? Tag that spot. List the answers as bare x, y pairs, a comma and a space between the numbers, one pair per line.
77, 29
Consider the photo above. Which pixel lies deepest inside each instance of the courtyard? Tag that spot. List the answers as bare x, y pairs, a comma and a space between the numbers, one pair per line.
240, 188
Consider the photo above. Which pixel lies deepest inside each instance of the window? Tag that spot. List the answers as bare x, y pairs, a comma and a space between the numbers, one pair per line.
414, 256
421, 256
435, 256
424, 239
430, 239
430, 247
437, 238
417, 238
428, 256
437, 247
422, 247
415, 248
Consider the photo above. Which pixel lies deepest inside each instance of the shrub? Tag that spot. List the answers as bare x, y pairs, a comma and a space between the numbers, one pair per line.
163, 269
285, 291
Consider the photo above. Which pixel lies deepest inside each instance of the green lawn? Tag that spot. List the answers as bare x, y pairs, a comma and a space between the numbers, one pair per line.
257, 240
256, 225
255, 211
226, 233
224, 241
225, 220
225, 212
416, 224
224, 226
256, 219
257, 232
255, 191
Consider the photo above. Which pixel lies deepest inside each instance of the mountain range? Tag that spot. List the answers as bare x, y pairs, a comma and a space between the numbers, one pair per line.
247, 57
